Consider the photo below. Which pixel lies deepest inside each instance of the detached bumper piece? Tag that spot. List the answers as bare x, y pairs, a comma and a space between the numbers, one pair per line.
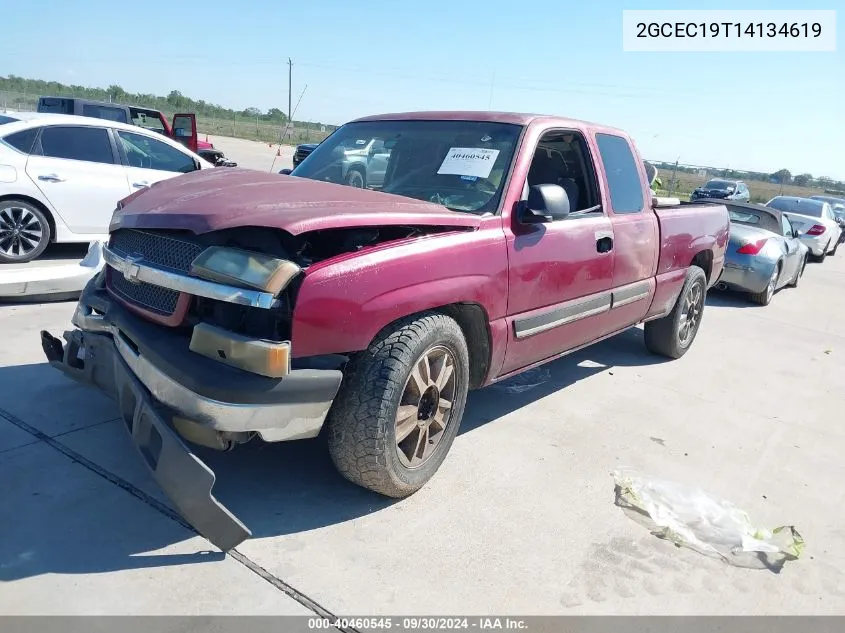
92, 359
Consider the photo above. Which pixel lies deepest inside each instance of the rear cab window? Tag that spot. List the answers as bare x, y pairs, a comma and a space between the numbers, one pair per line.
105, 112
623, 177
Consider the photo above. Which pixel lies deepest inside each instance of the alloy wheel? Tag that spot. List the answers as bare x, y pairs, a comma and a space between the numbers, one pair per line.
691, 314
21, 231
425, 409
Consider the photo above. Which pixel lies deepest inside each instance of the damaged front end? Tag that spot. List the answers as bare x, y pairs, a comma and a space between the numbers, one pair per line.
191, 336
97, 355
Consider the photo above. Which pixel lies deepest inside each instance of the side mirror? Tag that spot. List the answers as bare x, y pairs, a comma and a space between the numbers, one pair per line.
286, 172
546, 203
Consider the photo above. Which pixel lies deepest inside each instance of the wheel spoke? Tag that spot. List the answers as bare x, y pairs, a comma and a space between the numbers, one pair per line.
446, 369
6, 218
27, 243
422, 444
405, 428
419, 382
439, 419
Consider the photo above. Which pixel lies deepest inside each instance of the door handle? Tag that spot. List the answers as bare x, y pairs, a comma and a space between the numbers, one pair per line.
140, 185
604, 241
51, 178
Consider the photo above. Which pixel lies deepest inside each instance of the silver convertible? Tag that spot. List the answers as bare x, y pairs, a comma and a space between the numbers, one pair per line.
764, 253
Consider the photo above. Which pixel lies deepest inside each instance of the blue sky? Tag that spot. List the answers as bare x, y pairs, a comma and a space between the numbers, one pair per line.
742, 110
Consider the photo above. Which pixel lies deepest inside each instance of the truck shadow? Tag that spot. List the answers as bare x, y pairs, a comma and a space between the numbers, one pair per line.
93, 522
294, 487
729, 299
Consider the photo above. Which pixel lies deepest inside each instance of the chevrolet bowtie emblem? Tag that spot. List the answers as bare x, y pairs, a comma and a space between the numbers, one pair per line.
132, 269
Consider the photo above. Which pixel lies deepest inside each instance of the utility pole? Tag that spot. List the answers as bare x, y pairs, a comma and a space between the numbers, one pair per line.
290, 95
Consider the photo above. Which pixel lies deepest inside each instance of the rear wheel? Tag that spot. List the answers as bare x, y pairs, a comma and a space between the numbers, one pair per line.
798, 274
833, 252
400, 405
673, 334
24, 232
765, 298
821, 258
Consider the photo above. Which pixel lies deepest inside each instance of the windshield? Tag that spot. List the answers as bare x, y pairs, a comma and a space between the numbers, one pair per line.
801, 206
719, 184
459, 164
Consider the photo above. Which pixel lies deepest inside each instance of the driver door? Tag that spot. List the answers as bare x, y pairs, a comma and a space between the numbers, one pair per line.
149, 160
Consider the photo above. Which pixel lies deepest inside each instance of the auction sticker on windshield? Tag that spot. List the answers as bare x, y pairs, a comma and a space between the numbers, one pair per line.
468, 161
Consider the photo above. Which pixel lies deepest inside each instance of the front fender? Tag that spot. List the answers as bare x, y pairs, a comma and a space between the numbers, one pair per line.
340, 307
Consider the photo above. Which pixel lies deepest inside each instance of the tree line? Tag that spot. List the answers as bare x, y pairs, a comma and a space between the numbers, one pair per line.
781, 176
173, 102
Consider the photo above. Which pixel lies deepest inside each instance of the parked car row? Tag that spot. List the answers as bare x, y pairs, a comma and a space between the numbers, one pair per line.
771, 244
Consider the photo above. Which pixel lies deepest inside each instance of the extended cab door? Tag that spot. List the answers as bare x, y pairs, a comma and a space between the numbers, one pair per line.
635, 229
77, 169
185, 130
561, 271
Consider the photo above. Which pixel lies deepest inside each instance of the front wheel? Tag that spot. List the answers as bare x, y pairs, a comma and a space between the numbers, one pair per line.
354, 178
24, 232
673, 334
400, 405
765, 298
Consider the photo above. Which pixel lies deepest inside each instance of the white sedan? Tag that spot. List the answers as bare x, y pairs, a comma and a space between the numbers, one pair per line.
61, 177
815, 221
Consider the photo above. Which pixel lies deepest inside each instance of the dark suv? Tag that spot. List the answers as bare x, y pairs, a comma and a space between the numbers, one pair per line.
723, 190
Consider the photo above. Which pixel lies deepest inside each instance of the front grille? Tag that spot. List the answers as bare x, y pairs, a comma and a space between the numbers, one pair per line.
160, 250
153, 298
155, 248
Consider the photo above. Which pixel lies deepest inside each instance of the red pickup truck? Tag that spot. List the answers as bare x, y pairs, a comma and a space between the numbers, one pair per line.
237, 304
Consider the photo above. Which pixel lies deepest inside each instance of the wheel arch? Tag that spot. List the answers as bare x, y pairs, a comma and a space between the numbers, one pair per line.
36, 203
474, 322
704, 260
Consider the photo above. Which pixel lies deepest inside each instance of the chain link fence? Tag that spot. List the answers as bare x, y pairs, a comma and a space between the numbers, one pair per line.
238, 126
679, 180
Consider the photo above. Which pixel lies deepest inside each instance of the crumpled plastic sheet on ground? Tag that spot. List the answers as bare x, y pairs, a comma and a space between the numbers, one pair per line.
526, 381
692, 518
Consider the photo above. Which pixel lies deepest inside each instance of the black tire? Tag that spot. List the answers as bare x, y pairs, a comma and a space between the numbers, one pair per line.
355, 177
820, 258
765, 298
799, 274
663, 336
16, 215
361, 426
835, 248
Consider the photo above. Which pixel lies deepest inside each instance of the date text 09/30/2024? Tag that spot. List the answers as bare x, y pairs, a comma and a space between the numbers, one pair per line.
419, 623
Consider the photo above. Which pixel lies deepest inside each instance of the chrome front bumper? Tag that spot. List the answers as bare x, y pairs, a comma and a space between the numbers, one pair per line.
93, 359
101, 353
276, 422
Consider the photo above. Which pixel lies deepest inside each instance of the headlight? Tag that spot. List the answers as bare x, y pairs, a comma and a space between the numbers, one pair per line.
244, 268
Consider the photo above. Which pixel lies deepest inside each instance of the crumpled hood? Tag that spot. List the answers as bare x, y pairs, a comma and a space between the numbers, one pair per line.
221, 198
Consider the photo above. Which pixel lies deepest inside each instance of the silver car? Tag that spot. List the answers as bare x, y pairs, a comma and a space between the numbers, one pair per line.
815, 220
764, 252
